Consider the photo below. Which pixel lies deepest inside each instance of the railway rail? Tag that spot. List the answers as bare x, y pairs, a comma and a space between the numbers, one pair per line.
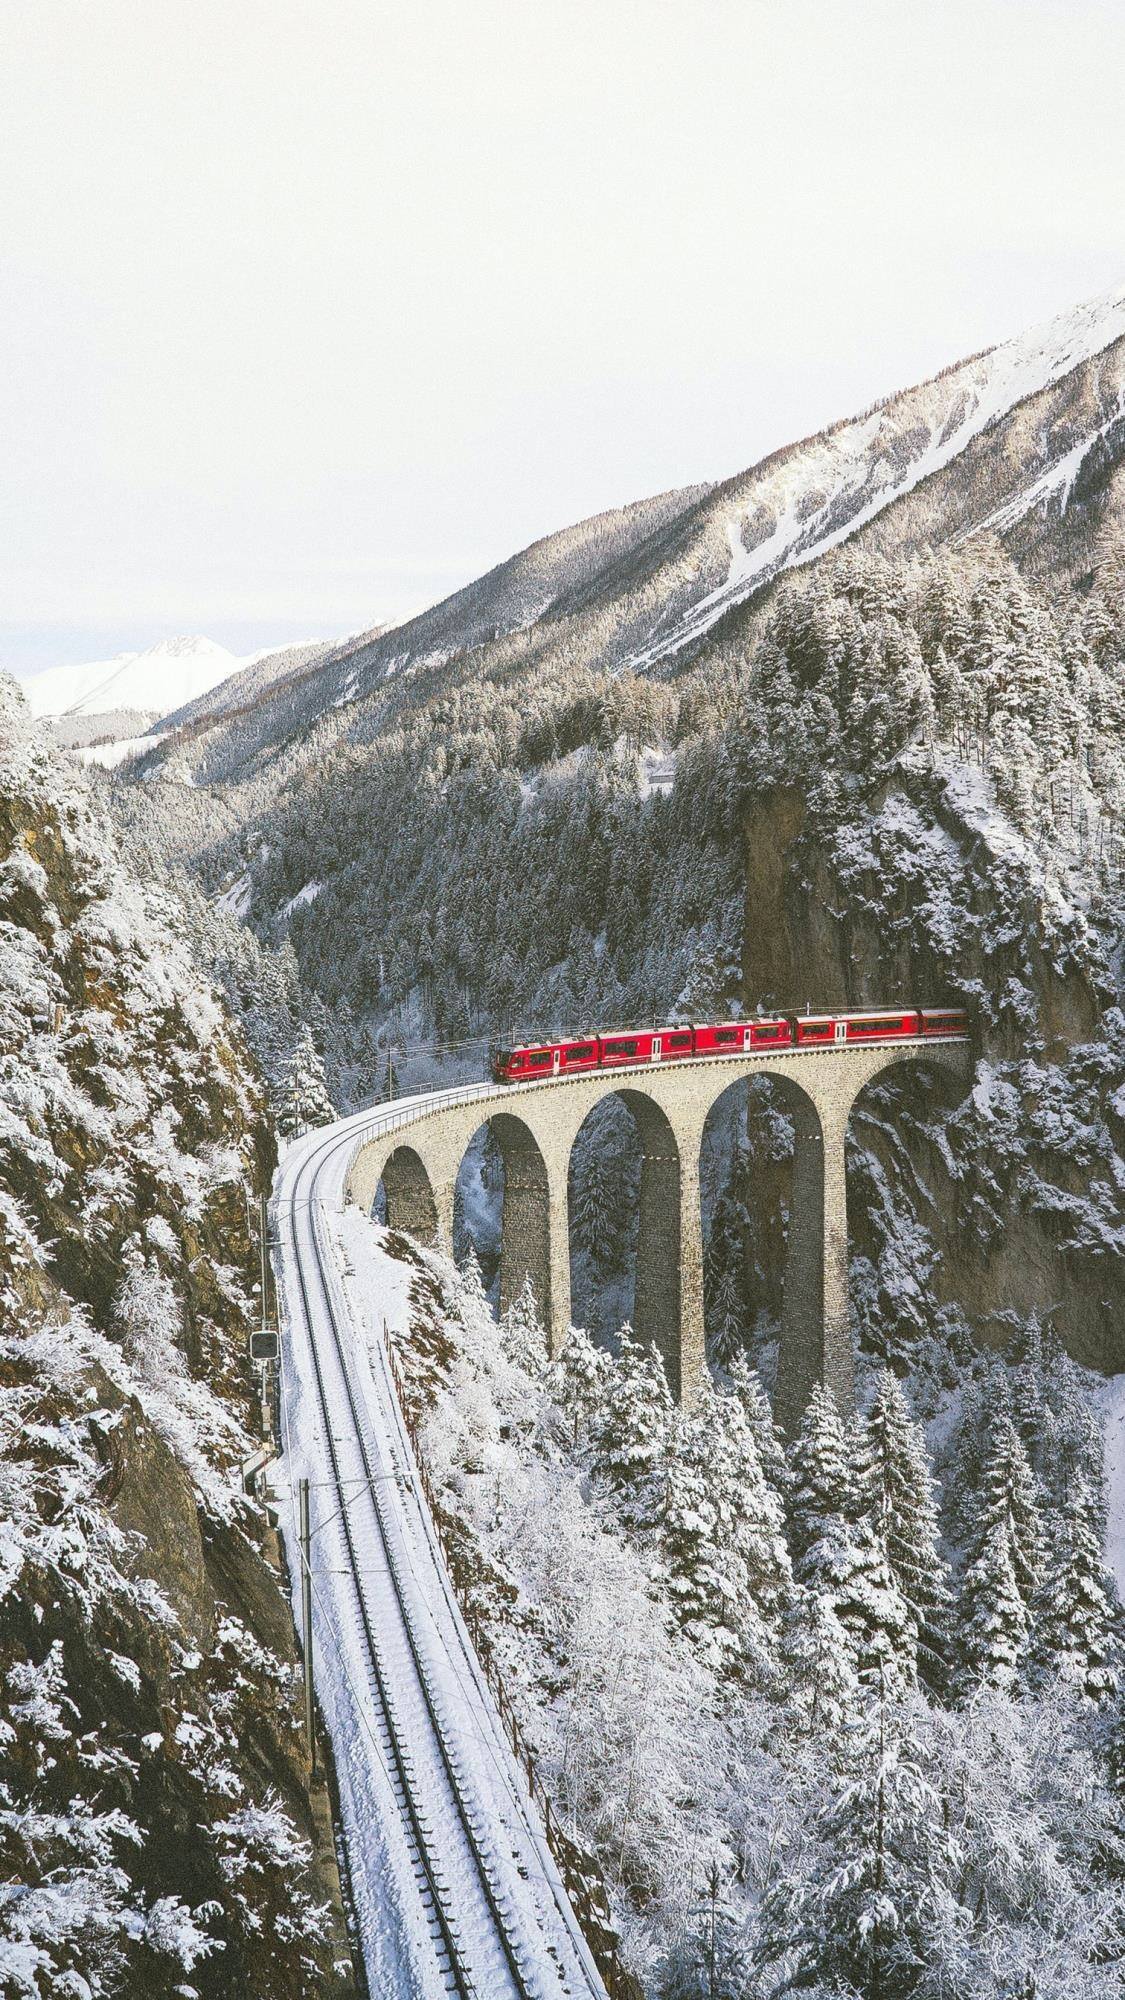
475, 1906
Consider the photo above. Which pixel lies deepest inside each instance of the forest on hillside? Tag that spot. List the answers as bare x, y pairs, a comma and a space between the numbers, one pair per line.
899, 776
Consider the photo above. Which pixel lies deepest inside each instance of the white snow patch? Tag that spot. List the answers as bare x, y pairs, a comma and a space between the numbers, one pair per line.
304, 896
162, 678
237, 899
110, 755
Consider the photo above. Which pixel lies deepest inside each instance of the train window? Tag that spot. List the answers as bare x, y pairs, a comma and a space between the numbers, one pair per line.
539, 1058
725, 1035
582, 1054
944, 1020
619, 1048
768, 1031
878, 1027
682, 1041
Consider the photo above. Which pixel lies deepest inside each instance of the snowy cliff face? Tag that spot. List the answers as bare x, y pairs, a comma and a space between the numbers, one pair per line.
155, 1824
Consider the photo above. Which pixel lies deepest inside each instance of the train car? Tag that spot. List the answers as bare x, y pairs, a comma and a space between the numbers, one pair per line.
644, 1045
523, 1065
811, 1029
884, 1027
730, 1038
944, 1021
532, 1062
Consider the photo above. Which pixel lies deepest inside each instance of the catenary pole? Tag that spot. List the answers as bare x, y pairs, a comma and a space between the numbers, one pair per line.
306, 1619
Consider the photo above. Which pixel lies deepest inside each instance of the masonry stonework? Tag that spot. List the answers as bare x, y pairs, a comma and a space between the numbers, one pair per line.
536, 1126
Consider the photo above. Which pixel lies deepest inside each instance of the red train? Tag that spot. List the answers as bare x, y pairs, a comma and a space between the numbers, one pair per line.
631, 1047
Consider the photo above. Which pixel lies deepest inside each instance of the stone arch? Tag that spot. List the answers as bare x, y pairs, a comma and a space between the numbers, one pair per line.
658, 1286
907, 1087
408, 1195
805, 1355
525, 1221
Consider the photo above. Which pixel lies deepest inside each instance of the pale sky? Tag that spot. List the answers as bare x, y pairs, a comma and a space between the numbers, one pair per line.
311, 312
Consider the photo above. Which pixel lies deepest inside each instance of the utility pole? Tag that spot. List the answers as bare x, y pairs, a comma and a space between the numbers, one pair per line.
306, 1619
714, 1887
262, 1242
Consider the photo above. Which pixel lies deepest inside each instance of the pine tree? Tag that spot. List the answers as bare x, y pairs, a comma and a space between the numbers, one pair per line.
876, 1910
631, 1430
305, 1099
901, 1498
818, 1659
838, 1553
521, 1332
746, 1384
823, 1472
578, 1379
1004, 1562
1073, 1636
723, 1533
727, 1316
470, 1299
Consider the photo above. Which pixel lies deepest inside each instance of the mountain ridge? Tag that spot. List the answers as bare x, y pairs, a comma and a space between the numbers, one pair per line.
1024, 440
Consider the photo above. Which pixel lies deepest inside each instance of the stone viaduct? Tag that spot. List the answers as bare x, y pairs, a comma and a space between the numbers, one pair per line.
535, 1126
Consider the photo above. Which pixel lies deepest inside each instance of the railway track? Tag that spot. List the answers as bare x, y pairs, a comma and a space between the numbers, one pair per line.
479, 1911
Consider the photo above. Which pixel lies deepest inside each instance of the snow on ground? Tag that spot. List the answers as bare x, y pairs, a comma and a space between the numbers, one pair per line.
237, 899
1057, 481
304, 896
110, 755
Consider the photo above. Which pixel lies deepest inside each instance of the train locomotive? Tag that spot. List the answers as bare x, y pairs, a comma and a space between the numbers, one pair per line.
636, 1048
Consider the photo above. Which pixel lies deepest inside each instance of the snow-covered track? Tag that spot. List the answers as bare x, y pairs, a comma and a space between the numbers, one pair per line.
473, 1906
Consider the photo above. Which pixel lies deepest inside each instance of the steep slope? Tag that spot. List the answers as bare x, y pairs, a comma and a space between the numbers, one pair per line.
158, 1828
1025, 440
246, 686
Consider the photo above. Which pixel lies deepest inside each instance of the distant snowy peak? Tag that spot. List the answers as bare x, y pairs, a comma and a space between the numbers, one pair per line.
162, 678
799, 504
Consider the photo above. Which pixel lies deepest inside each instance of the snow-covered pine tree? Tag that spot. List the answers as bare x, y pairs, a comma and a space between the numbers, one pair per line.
727, 1316
469, 1298
823, 1473
305, 1099
578, 1379
818, 1661
631, 1429
875, 1909
603, 1185
1003, 1566
723, 1535
1073, 1633
521, 1332
900, 1495
714, 1957
839, 1554
746, 1384
594, 1216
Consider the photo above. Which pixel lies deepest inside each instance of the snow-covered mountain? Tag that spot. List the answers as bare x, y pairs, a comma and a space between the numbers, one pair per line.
154, 682
1025, 441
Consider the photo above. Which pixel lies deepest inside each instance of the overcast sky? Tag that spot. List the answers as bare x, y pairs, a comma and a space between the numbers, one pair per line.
310, 312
